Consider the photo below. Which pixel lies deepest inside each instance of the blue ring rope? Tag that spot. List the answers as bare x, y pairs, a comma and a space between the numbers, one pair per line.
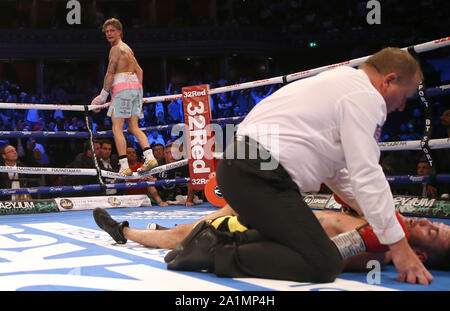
93, 187
393, 179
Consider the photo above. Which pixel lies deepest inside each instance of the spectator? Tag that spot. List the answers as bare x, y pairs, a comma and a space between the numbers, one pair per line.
159, 113
426, 190
156, 138
32, 115
158, 151
242, 101
442, 156
12, 180
134, 164
148, 116
58, 113
97, 149
258, 95
83, 160
35, 160
105, 156
33, 144
19, 143
108, 163
225, 105
175, 110
445, 123
180, 194
3, 142
160, 118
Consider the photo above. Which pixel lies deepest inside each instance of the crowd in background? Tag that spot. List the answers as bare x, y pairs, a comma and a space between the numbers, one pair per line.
295, 16
61, 152
291, 18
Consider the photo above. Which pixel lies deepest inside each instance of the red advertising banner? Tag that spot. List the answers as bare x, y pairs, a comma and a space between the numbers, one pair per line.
199, 138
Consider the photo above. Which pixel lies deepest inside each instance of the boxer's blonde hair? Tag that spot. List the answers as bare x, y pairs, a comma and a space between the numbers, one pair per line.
390, 60
113, 22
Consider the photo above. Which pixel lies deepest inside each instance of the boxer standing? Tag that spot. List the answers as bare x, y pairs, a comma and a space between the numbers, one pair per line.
124, 80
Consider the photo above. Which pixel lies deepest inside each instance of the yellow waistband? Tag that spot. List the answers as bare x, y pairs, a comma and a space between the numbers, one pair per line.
124, 73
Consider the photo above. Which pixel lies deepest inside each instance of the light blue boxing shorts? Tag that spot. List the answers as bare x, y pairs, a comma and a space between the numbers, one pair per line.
126, 98
127, 103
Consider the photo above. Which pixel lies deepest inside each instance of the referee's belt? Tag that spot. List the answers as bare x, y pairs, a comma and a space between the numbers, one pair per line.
252, 149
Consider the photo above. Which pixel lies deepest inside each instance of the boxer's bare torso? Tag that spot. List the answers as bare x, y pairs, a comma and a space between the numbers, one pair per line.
126, 61
121, 58
335, 223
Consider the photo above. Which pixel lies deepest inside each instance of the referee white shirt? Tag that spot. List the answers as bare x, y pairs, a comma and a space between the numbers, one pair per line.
324, 129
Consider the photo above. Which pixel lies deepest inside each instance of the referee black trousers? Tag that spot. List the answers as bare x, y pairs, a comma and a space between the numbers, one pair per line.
294, 245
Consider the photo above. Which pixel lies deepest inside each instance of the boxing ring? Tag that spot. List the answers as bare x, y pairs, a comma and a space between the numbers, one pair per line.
54, 244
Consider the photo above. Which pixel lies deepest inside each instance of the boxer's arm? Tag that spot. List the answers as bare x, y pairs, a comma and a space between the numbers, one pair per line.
190, 196
359, 262
139, 73
114, 56
156, 196
224, 211
410, 268
340, 184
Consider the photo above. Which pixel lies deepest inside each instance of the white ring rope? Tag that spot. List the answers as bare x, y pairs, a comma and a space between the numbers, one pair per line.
384, 146
46, 106
419, 48
89, 171
440, 143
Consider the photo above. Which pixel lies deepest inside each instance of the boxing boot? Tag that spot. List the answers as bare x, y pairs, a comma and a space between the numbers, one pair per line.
112, 227
196, 251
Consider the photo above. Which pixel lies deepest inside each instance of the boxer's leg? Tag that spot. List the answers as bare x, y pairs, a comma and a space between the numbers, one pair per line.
133, 126
120, 110
119, 138
253, 259
158, 238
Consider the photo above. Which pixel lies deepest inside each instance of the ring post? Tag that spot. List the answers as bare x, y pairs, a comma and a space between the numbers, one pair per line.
197, 117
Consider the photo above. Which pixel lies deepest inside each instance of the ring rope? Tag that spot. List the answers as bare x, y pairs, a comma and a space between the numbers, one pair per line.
93, 187
284, 79
428, 113
89, 171
91, 143
441, 143
415, 179
384, 146
395, 179
99, 134
433, 91
419, 48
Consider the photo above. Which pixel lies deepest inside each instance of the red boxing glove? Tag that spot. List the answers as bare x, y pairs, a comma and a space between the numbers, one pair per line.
371, 240
339, 200
345, 206
363, 239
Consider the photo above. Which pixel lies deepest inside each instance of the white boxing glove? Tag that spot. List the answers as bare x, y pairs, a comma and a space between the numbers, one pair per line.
100, 99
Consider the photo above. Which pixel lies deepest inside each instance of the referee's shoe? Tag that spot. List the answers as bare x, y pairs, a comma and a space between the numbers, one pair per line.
196, 251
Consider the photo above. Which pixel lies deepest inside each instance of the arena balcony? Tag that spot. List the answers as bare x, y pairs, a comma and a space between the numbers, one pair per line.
91, 43
218, 40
